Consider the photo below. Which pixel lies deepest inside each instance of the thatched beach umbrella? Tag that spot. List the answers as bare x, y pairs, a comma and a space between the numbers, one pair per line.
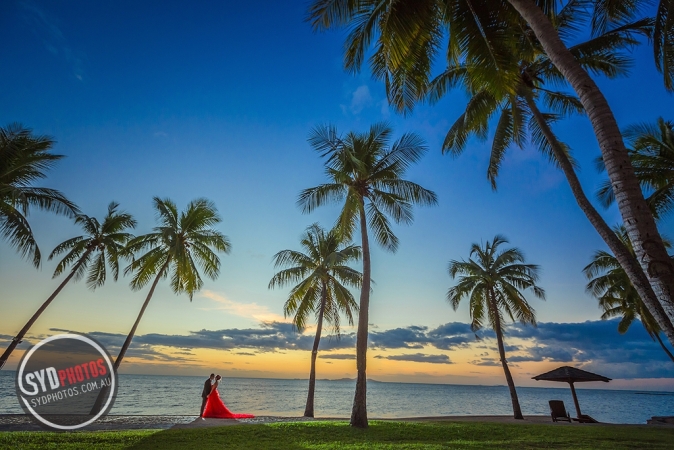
571, 375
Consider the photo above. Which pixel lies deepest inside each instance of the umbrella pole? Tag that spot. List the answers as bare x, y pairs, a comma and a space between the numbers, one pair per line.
575, 398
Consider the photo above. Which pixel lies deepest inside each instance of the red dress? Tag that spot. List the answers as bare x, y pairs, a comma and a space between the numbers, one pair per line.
216, 409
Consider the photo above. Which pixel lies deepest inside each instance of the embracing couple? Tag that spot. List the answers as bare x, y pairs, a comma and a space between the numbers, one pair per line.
212, 405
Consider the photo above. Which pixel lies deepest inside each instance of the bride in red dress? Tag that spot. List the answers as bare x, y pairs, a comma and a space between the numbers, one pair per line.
216, 409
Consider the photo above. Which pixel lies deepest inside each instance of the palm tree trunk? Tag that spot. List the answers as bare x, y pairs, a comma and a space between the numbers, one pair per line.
359, 410
636, 215
17, 339
625, 258
517, 411
662, 344
127, 343
309, 409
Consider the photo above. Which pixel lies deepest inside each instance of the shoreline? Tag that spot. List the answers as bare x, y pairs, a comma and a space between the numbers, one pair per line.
22, 422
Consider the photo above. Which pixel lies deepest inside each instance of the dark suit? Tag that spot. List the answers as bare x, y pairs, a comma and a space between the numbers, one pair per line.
204, 395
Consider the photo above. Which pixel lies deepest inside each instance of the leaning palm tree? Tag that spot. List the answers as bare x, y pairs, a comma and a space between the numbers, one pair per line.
616, 295
322, 275
89, 254
492, 280
408, 35
652, 155
180, 243
518, 110
640, 223
365, 172
25, 158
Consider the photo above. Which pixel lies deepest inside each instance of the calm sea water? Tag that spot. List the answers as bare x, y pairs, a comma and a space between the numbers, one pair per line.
169, 395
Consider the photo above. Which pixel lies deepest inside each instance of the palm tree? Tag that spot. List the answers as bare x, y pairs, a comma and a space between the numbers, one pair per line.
25, 158
180, 243
492, 280
366, 173
408, 35
519, 116
617, 297
321, 274
652, 155
640, 223
89, 254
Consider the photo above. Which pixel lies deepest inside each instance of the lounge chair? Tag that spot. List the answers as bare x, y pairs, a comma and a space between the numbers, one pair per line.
558, 411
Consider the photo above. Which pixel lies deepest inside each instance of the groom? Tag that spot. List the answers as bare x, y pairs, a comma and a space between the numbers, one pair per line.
207, 390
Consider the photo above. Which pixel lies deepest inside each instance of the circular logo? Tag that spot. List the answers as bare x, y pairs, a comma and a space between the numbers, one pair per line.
66, 381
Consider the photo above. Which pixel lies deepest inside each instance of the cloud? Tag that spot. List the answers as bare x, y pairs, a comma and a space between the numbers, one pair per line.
596, 346
449, 336
385, 112
490, 362
360, 99
246, 354
593, 345
270, 337
419, 357
249, 310
47, 29
410, 337
138, 349
338, 356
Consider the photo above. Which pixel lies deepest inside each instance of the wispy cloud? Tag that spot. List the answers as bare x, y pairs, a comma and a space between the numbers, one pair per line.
338, 356
47, 28
360, 99
418, 357
249, 310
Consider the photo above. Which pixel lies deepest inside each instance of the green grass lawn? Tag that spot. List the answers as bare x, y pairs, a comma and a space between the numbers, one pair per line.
339, 435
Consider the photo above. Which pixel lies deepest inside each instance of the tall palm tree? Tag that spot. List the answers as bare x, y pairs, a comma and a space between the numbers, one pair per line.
652, 154
640, 223
365, 172
519, 116
322, 275
492, 280
89, 254
617, 297
24, 158
180, 243
408, 35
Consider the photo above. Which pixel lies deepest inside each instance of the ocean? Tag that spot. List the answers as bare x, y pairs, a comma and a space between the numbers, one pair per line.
180, 395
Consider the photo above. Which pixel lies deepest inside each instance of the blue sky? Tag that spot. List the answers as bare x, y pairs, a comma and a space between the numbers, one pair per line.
216, 100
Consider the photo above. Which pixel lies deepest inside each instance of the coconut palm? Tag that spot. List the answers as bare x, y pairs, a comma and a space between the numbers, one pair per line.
180, 243
617, 297
492, 280
640, 223
519, 116
652, 154
365, 172
408, 36
89, 254
322, 275
25, 158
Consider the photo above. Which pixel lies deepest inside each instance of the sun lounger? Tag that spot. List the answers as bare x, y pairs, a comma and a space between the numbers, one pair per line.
558, 411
